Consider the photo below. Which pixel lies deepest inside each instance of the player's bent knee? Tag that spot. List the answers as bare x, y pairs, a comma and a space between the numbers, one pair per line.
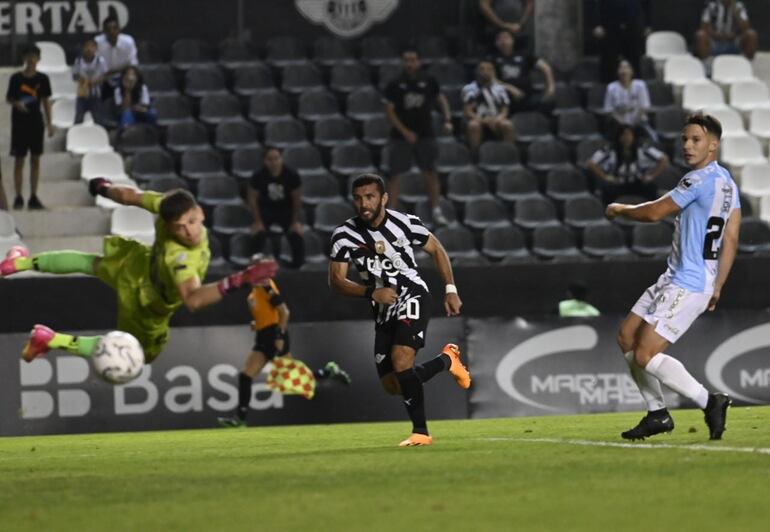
643, 356
625, 341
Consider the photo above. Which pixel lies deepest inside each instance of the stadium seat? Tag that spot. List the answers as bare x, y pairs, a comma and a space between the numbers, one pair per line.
702, 94
314, 248
660, 45
320, 188
53, 60
166, 183
133, 222
565, 183
553, 242
376, 131
457, 241
107, 164
740, 151
63, 113
585, 73
329, 51
495, 156
351, 159
149, 54
432, 49
545, 154
668, 122
138, 137
376, 51
187, 136
219, 108
759, 125
242, 246
586, 149
9, 236
285, 132
347, 77
515, 184
197, 164
604, 240
534, 212
285, 51
424, 212
412, 188
764, 208
149, 164
84, 138
389, 72
204, 79
301, 78
455, 99
566, 98
234, 54
316, 104
218, 191
106, 203
595, 99
231, 219
661, 95
530, 126
754, 237
189, 53
62, 86
218, 266
731, 120
577, 125
334, 131
582, 212
682, 69
245, 162
652, 239
305, 159
268, 105
449, 74
749, 95
231, 136
727, 69
329, 215
249, 80
669, 178
364, 103
502, 241
160, 81
452, 156
172, 109
466, 184
484, 212
755, 182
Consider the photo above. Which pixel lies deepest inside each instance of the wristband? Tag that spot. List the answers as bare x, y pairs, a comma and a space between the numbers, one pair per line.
369, 292
451, 289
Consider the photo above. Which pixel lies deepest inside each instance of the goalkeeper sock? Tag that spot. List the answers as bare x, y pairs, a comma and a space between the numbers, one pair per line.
648, 385
83, 346
62, 262
411, 389
433, 367
673, 374
244, 395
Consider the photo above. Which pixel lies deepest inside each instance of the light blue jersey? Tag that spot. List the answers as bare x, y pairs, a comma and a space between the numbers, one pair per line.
707, 198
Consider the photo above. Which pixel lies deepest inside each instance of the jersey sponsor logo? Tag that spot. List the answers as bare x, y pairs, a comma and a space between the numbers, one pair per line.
346, 18
379, 357
389, 266
752, 378
401, 243
379, 247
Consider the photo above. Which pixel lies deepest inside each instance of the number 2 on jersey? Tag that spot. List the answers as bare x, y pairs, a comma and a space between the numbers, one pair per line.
714, 227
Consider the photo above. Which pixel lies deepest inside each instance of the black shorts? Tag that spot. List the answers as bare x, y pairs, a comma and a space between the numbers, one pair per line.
264, 341
425, 153
27, 137
408, 327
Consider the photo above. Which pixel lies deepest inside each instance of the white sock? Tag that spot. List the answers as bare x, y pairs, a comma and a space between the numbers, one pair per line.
673, 374
648, 385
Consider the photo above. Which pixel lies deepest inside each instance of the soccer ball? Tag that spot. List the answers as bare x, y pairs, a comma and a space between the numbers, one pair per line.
118, 357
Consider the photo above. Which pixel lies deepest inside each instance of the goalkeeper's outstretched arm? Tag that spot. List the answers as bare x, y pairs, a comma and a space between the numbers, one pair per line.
123, 194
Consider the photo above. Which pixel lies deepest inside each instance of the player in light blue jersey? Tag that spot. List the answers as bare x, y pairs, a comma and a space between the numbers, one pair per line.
708, 221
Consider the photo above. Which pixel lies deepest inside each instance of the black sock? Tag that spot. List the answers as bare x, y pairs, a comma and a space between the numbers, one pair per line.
433, 367
411, 389
244, 395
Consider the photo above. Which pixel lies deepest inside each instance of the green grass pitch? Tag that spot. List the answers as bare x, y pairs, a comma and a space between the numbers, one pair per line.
545, 473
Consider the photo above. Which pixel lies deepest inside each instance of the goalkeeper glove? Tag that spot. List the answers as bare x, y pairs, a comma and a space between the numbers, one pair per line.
254, 274
99, 185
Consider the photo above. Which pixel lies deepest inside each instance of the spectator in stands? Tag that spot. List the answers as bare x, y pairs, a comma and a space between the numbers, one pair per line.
118, 50
627, 167
409, 102
28, 91
89, 70
275, 201
725, 29
515, 72
513, 16
621, 30
486, 107
626, 102
132, 100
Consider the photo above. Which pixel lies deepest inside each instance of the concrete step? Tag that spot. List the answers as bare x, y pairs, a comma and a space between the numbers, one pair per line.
86, 244
59, 166
63, 221
65, 194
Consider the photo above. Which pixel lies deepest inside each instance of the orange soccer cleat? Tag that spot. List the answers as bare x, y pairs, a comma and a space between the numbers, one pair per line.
457, 369
416, 440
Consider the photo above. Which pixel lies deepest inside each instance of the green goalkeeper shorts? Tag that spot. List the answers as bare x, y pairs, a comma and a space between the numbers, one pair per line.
125, 267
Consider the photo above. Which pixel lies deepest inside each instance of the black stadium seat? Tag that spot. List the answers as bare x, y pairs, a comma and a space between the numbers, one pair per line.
467, 184
554, 242
231, 136
546, 154
530, 126
285, 51
577, 125
160, 80
204, 79
457, 241
166, 183
300, 78
305, 159
754, 237
320, 188
432, 49
581, 212
231, 219
562, 184
268, 105
586, 149
187, 136
187, 53
652, 239
199, 164
334, 131
245, 162
351, 159
530, 213
329, 215
138, 137
285, 132
515, 184
503, 241
243, 246
423, 210
316, 104
449, 74
495, 155
481, 213
172, 109
152, 164
376, 131
329, 51
604, 240
347, 77
218, 108
376, 51
220, 190
661, 95
452, 156
364, 103
249, 80
234, 54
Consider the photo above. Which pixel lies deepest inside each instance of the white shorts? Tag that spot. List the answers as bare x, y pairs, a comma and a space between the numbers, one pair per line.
671, 308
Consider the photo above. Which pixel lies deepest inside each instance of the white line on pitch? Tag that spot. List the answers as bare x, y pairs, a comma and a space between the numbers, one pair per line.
592, 443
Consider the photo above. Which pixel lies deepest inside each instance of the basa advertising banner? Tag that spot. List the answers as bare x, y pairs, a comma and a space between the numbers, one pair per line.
195, 380
564, 366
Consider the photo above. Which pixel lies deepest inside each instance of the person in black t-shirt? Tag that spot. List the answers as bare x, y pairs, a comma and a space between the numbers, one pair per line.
28, 91
274, 198
515, 73
409, 101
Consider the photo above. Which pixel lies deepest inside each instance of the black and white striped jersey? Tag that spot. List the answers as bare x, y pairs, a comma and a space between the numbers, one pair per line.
384, 257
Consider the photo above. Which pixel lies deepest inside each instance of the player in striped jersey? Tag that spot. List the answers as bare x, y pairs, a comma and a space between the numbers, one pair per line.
380, 243
708, 209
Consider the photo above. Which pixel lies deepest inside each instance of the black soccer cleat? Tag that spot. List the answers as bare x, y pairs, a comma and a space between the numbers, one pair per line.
716, 414
650, 425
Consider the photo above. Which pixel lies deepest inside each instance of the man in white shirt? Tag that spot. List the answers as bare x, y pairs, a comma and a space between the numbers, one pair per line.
725, 29
118, 50
626, 103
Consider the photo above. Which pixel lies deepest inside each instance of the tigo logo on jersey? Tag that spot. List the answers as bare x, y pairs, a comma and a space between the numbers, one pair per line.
390, 266
346, 18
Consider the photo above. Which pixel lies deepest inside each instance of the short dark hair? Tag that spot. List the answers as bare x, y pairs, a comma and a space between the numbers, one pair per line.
175, 203
368, 179
30, 49
709, 123
268, 149
109, 19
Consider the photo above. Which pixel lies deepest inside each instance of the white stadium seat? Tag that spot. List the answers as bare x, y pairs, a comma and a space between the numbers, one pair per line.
664, 44
740, 151
764, 208
62, 86
759, 124
107, 164
85, 138
8, 235
702, 95
53, 60
63, 113
681, 69
748, 95
728, 69
731, 120
755, 182
133, 222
